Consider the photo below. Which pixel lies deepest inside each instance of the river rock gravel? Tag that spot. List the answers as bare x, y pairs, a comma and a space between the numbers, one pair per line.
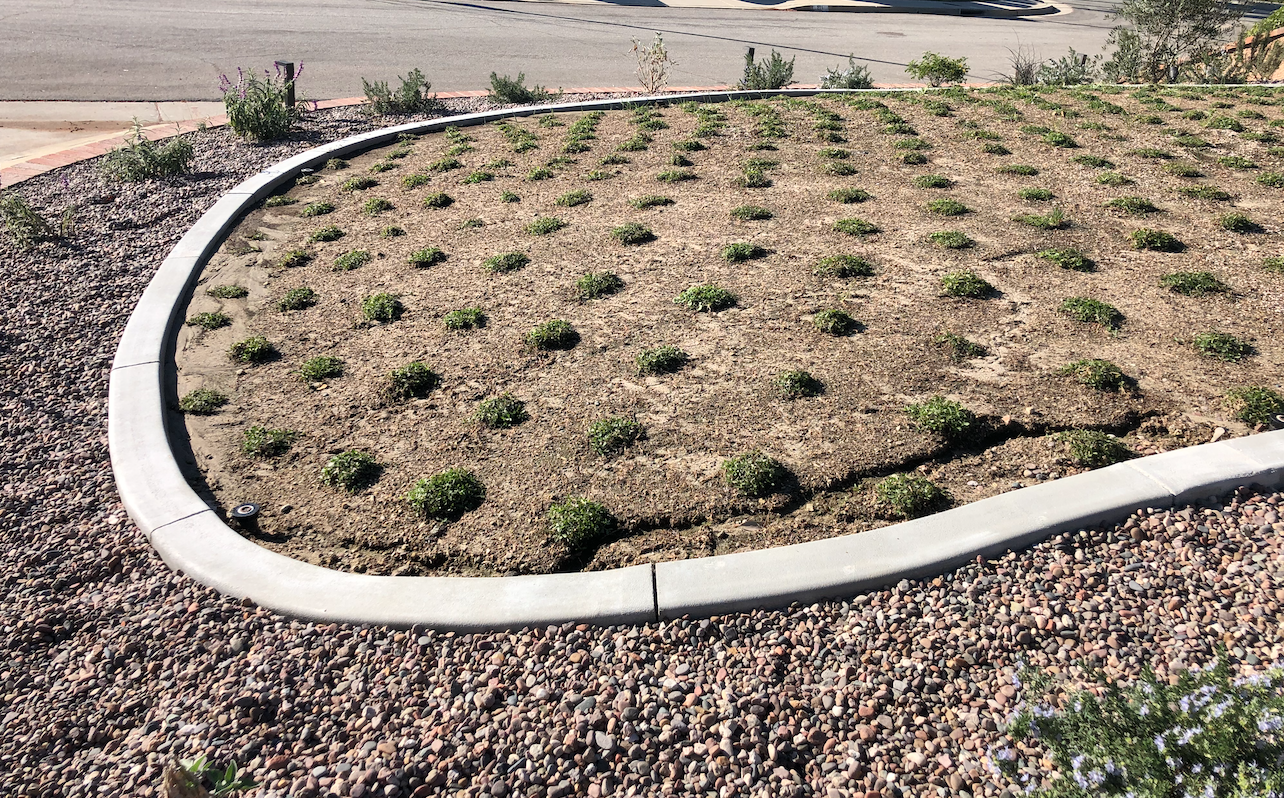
112, 666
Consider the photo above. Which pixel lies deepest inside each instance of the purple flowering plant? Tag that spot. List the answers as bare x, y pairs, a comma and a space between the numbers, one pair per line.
1212, 733
257, 107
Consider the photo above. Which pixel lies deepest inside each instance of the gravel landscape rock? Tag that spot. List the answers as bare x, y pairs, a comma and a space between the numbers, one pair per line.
112, 666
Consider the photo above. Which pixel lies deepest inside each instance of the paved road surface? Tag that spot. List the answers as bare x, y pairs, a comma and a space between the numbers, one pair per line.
146, 50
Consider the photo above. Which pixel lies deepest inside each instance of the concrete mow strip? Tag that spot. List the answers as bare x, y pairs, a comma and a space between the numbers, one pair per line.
191, 537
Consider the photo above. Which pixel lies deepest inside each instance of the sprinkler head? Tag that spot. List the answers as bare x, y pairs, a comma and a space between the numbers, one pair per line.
246, 516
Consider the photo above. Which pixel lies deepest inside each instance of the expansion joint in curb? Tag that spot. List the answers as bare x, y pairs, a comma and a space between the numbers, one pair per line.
655, 594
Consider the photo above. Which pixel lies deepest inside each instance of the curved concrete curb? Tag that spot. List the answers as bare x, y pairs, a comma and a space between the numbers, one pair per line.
191, 537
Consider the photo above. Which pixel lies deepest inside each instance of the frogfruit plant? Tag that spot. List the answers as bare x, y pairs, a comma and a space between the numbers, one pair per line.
447, 495
942, 416
754, 473
906, 495
352, 470
578, 521
608, 436
411, 381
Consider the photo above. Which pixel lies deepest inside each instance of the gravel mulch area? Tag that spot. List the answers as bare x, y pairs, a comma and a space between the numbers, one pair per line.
111, 665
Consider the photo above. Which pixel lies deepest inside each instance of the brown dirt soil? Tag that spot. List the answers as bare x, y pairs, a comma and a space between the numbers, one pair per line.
667, 490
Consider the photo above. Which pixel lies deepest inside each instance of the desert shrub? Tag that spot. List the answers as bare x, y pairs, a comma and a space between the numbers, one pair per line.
1193, 283
742, 251
1114, 179
438, 200
855, 76
1224, 123
913, 158
573, 198
907, 496
796, 385
947, 207
140, 159
937, 69
506, 262
1236, 162
942, 416
1151, 152
1212, 193
951, 239
1023, 170
661, 360
1056, 138
844, 266
774, 73
320, 208
336, 164
1093, 161
501, 412
447, 495
834, 322
352, 260
597, 284
351, 470
254, 349
382, 307
706, 298
1071, 259
426, 257
297, 299
992, 148
551, 335
750, 213
932, 181
264, 442
1092, 311
464, 319
912, 144
257, 107
608, 436
754, 473
1194, 142
319, 368
411, 97
446, 164
202, 402
959, 348
1236, 222
376, 206
632, 234
545, 225
1100, 374
1222, 346
838, 169
1155, 240
360, 183
966, 284
834, 154
209, 321
856, 227
410, 381
1254, 404
650, 201
675, 175
1053, 220
227, 292
1035, 194
513, 91
1136, 206
1274, 265
478, 176
1093, 449
578, 521
640, 142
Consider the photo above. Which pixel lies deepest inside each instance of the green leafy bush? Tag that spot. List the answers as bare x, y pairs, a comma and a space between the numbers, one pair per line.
321, 367
1100, 374
907, 496
750, 213
706, 298
507, 262
834, 322
844, 266
411, 97
942, 416
1053, 220
1136, 206
320, 235
438, 200
661, 360
297, 299
1114, 179
1193, 283
742, 251
959, 348
632, 234
1236, 222
796, 385
319, 208
545, 225
384, 308
754, 474
937, 69
376, 206
1092, 311
227, 292
608, 436
856, 227
1182, 169
933, 181
254, 349
202, 402
413, 380
140, 159
1222, 346
351, 470
1071, 259
573, 198
650, 201
675, 175
1155, 240
552, 334
513, 91
23, 224
352, 260
447, 495
501, 412
1056, 138
264, 442
578, 521
1211, 193
1022, 170
1093, 161
257, 108
774, 73
947, 207
1254, 404
209, 321
1093, 449
359, 183
464, 319
951, 239
1035, 194
478, 176
965, 283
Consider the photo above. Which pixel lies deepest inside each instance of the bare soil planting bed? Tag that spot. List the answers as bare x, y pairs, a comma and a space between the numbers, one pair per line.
667, 490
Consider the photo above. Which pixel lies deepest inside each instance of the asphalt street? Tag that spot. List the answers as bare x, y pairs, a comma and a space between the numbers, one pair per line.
144, 50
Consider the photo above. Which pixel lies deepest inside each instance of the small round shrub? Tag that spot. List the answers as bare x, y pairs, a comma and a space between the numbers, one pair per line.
913, 159
965, 283
317, 209
1237, 223
501, 412
227, 292
578, 521
552, 334
392, 231
1193, 283
754, 474
1071, 259
438, 200
336, 164
837, 169
465, 319
416, 180
661, 360
650, 201
632, 234
849, 196
750, 213
383, 308
1093, 449
326, 234
411, 381
1092, 311
297, 299
254, 349
447, 495
951, 239
376, 206
942, 416
856, 227
796, 385
608, 436
706, 298
264, 442
351, 470
426, 258
1100, 374
202, 402
1211, 193
947, 207
545, 225
597, 284
352, 260
1136, 206
1155, 240
209, 321
1035, 194
507, 262
1023, 170
571, 199
675, 175
741, 251
1271, 179
1056, 138
907, 496
1254, 404
1114, 179
834, 322
1222, 346
844, 266
296, 257
321, 367
959, 348
478, 176
1236, 162
933, 181
1182, 169
358, 183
